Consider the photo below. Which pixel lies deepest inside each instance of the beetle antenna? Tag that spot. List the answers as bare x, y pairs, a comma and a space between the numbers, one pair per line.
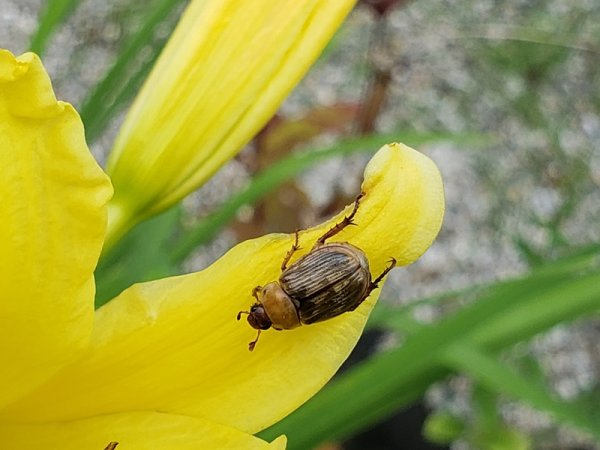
252, 344
239, 315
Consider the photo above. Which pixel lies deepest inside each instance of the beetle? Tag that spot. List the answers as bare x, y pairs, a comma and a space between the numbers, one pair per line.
333, 278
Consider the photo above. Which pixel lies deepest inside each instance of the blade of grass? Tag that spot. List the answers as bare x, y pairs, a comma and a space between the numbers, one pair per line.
287, 168
542, 310
485, 401
119, 84
54, 13
566, 40
487, 370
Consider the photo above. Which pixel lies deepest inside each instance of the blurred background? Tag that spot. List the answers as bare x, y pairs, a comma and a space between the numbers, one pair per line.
491, 340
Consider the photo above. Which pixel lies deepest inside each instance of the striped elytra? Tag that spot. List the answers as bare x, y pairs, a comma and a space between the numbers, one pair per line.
330, 280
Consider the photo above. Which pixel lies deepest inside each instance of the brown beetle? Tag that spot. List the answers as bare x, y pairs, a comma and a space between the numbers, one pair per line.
330, 280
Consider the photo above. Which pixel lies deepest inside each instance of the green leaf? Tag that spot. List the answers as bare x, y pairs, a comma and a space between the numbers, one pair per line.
54, 13
484, 406
443, 428
568, 38
539, 310
499, 438
121, 82
588, 403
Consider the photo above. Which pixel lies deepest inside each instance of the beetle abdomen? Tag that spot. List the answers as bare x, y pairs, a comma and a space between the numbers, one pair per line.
327, 282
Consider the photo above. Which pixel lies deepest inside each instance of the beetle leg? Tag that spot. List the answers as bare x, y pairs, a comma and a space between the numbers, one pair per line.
341, 225
375, 284
289, 254
111, 446
252, 344
255, 292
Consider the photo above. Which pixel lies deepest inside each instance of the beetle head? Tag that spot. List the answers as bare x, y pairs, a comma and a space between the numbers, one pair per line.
258, 319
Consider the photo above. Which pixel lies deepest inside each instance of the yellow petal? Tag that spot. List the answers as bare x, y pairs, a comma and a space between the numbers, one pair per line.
132, 431
53, 212
174, 345
224, 72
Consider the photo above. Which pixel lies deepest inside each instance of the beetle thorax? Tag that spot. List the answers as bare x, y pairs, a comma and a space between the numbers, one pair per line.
280, 308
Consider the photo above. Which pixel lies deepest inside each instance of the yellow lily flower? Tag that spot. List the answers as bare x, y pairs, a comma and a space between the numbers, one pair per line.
223, 74
54, 215
165, 364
